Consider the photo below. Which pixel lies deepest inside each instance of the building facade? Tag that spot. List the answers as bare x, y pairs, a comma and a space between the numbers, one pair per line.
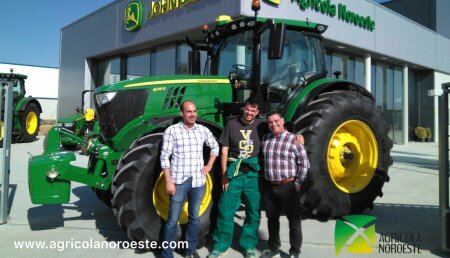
397, 59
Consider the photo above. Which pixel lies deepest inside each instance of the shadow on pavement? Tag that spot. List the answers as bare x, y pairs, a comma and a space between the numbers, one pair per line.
411, 153
11, 195
415, 161
46, 217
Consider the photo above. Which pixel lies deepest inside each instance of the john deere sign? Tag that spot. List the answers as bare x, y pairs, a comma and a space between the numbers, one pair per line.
165, 6
134, 11
326, 7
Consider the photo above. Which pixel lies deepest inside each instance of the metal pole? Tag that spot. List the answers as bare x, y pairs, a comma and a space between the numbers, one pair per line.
5, 157
444, 169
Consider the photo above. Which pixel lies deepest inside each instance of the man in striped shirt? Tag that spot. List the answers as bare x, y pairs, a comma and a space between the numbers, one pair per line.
285, 167
185, 173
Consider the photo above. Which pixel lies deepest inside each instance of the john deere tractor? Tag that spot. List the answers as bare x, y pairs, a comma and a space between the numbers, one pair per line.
82, 124
281, 63
26, 110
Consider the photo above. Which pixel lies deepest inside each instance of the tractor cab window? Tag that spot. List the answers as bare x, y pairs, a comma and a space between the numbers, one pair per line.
302, 58
18, 89
235, 55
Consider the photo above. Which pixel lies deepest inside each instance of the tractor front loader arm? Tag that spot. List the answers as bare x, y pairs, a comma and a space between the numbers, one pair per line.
50, 174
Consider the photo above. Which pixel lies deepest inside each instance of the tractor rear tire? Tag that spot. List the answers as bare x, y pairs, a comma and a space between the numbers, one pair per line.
132, 188
349, 151
29, 124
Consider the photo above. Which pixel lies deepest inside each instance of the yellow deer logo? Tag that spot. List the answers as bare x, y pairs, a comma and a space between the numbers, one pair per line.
133, 16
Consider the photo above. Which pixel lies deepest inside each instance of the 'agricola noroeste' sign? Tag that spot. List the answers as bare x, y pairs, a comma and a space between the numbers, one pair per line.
326, 7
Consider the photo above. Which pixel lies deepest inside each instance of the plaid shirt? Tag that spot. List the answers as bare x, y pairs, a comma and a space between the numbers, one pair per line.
185, 147
283, 158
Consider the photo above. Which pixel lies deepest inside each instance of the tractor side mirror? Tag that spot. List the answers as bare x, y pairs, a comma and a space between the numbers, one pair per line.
276, 40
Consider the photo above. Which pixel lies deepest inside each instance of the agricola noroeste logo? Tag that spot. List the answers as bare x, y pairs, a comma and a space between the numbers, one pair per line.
355, 231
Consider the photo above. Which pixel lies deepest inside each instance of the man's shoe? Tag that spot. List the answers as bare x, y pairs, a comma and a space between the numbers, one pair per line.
193, 255
293, 255
215, 254
270, 254
250, 253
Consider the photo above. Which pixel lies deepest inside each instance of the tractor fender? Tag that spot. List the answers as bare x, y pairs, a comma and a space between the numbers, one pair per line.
23, 103
314, 90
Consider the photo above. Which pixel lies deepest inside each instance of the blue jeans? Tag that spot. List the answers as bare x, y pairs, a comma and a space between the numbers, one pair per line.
194, 196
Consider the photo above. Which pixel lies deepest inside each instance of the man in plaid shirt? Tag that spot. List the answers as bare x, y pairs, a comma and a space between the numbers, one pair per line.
185, 173
285, 167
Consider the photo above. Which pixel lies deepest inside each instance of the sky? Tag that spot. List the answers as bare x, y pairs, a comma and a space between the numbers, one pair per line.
30, 31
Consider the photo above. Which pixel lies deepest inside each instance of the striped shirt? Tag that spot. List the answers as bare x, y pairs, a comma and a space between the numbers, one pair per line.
182, 152
283, 158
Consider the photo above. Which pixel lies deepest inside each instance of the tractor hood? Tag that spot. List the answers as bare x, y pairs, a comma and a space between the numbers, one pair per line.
125, 105
157, 82
71, 118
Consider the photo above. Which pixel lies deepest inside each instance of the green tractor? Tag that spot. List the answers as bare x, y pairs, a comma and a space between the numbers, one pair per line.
82, 124
26, 110
282, 63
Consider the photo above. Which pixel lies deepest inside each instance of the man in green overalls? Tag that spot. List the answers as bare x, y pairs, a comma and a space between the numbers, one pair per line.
241, 144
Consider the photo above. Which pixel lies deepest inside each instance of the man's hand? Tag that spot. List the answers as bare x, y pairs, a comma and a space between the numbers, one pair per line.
171, 188
225, 182
206, 169
297, 187
299, 139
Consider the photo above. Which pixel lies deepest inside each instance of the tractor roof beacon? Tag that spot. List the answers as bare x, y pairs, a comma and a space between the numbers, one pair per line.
281, 62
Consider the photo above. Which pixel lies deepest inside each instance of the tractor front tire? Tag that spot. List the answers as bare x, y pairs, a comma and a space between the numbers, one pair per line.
137, 183
349, 151
29, 123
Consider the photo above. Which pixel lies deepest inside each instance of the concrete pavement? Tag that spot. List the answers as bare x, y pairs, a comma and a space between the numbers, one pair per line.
408, 210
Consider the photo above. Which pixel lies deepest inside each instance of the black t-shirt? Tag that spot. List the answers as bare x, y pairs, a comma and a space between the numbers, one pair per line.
244, 140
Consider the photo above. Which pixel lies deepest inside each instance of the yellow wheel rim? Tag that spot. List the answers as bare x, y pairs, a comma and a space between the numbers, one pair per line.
31, 122
352, 156
161, 199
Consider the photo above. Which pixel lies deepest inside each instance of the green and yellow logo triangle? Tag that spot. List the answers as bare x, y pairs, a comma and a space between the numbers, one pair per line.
353, 231
276, 2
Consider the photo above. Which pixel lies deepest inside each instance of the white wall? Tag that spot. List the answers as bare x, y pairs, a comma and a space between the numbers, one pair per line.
42, 82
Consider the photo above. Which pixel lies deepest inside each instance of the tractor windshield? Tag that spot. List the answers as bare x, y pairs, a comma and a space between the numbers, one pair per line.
302, 59
235, 54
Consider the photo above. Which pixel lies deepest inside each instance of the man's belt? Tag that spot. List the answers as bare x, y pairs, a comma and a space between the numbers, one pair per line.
243, 167
283, 182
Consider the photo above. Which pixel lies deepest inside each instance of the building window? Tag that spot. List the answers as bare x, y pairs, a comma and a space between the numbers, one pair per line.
138, 65
182, 59
388, 92
359, 71
163, 61
108, 71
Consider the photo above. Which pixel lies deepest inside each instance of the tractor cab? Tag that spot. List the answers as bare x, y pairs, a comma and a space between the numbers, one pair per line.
19, 90
19, 84
270, 59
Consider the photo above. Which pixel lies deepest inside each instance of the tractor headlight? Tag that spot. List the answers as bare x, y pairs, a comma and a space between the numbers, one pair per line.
67, 124
104, 98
